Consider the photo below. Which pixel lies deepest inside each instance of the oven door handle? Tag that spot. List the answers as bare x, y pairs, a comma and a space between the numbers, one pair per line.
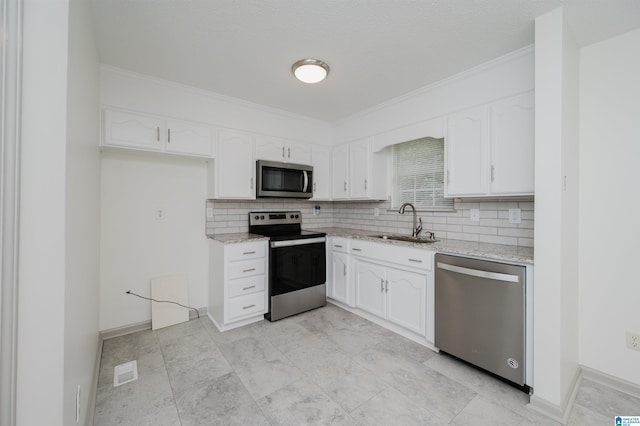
303, 241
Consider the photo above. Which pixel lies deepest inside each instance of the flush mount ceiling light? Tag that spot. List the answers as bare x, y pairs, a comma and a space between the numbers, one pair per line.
310, 70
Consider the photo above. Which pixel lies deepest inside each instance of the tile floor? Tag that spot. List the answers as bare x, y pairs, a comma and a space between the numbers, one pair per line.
326, 366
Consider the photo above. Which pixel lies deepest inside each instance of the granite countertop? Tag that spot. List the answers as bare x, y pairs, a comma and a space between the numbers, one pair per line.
240, 237
506, 253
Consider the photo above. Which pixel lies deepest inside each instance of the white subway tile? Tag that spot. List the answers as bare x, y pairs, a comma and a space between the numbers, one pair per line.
512, 241
525, 242
516, 232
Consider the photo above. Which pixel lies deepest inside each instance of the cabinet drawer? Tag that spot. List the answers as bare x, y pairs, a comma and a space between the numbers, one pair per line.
247, 250
244, 286
340, 244
246, 268
246, 305
405, 256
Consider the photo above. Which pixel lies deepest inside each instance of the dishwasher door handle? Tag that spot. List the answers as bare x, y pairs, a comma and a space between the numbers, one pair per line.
478, 273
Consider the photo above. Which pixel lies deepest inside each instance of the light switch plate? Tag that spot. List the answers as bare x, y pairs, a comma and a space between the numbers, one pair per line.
515, 216
474, 215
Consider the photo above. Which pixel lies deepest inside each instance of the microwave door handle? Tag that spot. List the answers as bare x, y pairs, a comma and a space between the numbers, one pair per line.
306, 181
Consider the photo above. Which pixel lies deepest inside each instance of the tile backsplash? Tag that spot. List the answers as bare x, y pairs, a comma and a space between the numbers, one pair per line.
493, 227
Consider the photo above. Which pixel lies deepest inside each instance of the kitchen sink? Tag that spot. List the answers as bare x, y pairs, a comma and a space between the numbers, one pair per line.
405, 238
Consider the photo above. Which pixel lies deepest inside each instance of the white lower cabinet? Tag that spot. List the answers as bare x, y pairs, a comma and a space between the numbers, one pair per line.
389, 282
339, 287
406, 299
393, 294
369, 282
237, 283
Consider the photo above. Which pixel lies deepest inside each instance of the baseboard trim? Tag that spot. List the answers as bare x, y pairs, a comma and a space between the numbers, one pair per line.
559, 413
611, 381
141, 326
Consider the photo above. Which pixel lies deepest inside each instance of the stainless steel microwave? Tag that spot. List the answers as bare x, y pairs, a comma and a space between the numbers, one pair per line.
283, 180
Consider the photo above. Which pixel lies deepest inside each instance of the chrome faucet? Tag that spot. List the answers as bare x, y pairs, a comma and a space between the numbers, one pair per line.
417, 228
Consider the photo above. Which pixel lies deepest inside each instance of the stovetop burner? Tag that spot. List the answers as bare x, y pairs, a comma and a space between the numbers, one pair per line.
284, 225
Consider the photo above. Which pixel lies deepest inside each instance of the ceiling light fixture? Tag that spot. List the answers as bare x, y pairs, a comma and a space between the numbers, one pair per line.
310, 70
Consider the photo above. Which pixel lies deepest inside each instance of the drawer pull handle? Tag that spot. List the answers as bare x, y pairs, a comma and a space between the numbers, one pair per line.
249, 252
248, 288
356, 249
248, 307
415, 260
249, 270
337, 245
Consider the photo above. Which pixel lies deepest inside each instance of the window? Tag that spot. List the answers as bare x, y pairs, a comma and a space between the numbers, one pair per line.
418, 174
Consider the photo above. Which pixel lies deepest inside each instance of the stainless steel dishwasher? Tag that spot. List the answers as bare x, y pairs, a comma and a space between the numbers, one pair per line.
480, 314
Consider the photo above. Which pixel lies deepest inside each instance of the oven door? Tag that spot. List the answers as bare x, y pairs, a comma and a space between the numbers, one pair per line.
296, 265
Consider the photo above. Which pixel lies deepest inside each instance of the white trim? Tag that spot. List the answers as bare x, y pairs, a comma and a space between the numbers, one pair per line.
11, 99
141, 326
559, 413
613, 382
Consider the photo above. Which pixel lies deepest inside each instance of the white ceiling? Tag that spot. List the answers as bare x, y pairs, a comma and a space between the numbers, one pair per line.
377, 49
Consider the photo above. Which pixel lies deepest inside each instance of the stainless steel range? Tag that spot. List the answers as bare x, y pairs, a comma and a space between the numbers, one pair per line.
297, 263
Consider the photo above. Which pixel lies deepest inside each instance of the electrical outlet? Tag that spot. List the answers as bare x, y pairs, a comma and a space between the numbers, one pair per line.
633, 341
159, 214
515, 216
474, 215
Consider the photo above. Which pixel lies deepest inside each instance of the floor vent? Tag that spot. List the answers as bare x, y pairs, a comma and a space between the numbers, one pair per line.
125, 373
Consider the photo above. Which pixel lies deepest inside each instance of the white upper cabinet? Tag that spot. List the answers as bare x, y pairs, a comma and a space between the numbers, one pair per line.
235, 167
512, 145
189, 138
126, 129
465, 151
359, 173
359, 164
275, 149
489, 150
321, 162
339, 169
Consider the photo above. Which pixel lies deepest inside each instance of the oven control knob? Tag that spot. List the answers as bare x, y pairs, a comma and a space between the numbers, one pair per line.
262, 217
256, 217
297, 216
291, 216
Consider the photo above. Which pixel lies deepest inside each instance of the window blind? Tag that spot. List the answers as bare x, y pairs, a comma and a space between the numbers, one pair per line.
418, 174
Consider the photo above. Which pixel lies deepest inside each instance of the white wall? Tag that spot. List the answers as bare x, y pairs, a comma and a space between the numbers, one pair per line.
82, 224
135, 247
148, 94
506, 76
555, 288
609, 203
41, 316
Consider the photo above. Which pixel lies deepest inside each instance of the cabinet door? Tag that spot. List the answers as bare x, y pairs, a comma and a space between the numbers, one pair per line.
339, 164
298, 153
189, 138
129, 130
466, 152
268, 148
358, 169
340, 274
512, 146
369, 280
235, 166
321, 161
406, 299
